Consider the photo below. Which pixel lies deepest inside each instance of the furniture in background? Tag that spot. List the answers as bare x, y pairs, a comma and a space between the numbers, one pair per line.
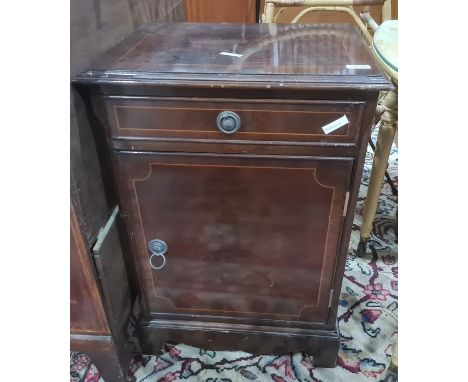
237, 152
384, 46
385, 49
226, 11
286, 13
99, 285
315, 6
99, 300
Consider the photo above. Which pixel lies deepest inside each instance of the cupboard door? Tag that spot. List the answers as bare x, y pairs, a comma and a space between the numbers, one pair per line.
247, 237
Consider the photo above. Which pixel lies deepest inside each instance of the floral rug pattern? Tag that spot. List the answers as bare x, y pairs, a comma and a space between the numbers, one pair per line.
367, 318
82, 369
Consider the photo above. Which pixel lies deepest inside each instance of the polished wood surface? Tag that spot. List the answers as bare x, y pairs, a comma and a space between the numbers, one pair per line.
215, 11
257, 222
275, 55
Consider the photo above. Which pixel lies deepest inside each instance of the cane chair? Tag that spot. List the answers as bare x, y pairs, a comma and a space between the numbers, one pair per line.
382, 40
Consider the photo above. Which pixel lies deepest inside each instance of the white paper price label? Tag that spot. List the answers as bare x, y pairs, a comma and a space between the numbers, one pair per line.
363, 66
332, 126
231, 54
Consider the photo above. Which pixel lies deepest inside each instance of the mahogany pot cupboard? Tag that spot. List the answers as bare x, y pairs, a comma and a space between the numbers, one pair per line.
236, 152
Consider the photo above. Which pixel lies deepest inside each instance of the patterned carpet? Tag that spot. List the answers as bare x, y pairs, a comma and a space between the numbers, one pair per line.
367, 319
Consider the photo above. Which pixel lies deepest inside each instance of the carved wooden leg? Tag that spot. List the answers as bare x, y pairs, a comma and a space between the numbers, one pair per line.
379, 166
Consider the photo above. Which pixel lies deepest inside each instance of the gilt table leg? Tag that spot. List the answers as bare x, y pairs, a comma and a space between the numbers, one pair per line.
379, 166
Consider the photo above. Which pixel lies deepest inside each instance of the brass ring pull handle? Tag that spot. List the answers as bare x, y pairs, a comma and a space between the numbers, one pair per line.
160, 266
158, 248
228, 122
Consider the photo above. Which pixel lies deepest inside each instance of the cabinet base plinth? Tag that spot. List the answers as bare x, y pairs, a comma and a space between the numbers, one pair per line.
322, 345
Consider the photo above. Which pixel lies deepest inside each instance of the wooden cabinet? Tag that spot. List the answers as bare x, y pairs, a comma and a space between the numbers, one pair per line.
237, 176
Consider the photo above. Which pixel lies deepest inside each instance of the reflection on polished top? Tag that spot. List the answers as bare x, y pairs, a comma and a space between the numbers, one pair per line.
290, 53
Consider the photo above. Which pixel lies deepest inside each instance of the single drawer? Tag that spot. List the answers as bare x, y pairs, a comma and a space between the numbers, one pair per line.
254, 121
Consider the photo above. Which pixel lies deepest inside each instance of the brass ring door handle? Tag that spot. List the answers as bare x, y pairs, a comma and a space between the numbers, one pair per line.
157, 267
158, 248
228, 122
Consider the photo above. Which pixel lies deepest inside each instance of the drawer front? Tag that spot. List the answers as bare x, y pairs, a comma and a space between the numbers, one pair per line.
261, 121
247, 237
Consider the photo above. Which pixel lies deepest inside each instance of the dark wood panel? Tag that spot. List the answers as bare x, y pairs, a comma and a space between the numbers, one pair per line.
86, 185
242, 226
261, 120
215, 11
86, 311
323, 345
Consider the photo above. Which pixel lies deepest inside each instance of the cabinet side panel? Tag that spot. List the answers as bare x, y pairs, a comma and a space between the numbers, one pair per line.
86, 310
368, 116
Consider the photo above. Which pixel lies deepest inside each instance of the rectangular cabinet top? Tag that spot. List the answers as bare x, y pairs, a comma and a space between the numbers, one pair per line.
241, 55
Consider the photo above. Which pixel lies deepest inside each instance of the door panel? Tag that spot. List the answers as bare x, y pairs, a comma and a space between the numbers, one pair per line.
252, 237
